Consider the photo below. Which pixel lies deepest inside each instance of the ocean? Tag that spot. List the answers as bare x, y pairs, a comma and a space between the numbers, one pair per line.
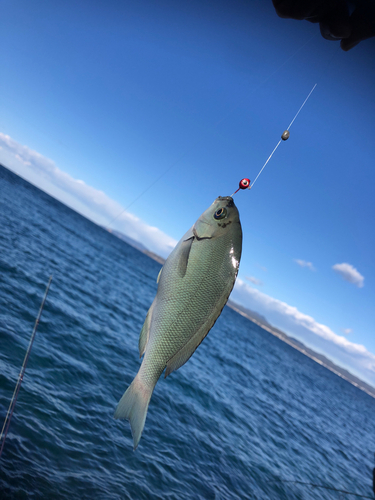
247, 417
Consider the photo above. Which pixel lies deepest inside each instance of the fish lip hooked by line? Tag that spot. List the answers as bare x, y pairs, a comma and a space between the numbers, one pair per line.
229, 198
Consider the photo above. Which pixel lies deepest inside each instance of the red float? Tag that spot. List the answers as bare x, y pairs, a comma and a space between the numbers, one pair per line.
245, 183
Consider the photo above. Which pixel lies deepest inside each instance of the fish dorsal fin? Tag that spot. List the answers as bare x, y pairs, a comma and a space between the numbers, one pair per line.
184, 256
158, 278
145, 332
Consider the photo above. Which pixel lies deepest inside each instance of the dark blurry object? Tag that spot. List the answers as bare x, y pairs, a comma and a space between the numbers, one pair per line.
285, 135
350, 22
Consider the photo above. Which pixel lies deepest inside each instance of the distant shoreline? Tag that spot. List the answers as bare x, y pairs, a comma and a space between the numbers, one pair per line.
296, 344
248, 314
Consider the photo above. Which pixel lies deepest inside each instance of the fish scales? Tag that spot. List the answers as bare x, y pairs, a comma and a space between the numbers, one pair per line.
194, 286
180, 313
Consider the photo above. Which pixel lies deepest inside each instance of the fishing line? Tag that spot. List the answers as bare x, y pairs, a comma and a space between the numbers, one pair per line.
145, 190
325, 487
214, 126
285, 134
304, 102
4, 430
268, 159
266, 79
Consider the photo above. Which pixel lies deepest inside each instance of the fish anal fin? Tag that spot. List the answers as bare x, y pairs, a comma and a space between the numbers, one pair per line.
145, 332
187, 350
184, 256
185, 353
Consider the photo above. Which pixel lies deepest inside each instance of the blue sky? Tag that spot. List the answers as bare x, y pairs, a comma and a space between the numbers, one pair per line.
98, 99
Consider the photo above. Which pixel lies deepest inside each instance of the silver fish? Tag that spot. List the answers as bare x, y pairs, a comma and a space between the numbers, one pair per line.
194, 285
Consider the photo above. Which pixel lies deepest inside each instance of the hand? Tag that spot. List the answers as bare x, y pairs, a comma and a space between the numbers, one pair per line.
335, 19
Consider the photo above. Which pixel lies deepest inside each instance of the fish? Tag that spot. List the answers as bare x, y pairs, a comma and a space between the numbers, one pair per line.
193, 287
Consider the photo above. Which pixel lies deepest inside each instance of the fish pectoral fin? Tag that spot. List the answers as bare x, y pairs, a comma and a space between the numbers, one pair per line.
184, 256
188, 349
145, 332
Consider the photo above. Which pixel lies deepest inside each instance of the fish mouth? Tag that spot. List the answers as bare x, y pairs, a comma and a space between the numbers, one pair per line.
229, 200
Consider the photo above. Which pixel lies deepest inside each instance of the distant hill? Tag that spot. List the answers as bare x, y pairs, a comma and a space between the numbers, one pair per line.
154, 256
248, 313
318, 358
135, 244
263, 323
128, 240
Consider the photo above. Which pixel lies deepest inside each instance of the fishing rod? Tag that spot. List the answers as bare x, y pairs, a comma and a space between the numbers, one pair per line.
13, 401
246, 183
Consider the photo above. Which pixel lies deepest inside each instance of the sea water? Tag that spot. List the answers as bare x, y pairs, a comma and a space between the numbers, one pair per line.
246, 412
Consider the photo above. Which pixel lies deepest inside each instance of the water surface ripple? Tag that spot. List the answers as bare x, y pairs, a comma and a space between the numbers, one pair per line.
246, 411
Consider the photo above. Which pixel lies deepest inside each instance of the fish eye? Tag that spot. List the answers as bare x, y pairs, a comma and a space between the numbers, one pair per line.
220, 214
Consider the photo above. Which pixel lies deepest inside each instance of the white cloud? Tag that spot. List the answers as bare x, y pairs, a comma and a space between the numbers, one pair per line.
347, 330
89, 201
349, 273
96, 205
316, 335
253, 280
303, 263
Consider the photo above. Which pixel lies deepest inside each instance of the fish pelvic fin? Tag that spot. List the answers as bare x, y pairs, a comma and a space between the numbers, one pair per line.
133, 406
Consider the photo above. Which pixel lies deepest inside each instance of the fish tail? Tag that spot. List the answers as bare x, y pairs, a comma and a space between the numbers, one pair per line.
134, 405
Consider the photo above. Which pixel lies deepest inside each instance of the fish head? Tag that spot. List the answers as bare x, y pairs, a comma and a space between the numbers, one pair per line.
220, 217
